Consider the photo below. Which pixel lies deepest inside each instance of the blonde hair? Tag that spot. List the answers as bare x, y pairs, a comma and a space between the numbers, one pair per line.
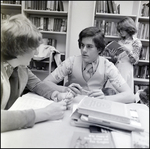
18, 36
127, 24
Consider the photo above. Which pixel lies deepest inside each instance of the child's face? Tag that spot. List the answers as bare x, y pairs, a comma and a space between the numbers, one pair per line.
88, 50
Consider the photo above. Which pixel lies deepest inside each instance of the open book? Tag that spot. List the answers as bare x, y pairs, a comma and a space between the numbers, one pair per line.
114, 48
30, 101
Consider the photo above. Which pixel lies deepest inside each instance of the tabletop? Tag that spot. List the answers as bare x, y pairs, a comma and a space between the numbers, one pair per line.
58, 134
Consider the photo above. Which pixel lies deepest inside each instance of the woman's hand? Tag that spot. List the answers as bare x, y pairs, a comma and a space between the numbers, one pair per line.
97, 94
67, 97
56, 110
112, 52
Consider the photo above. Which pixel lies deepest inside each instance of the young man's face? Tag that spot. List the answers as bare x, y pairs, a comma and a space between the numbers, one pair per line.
88, 50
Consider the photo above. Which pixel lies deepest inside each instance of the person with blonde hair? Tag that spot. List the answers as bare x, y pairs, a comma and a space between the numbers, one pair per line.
19, 41
131, 47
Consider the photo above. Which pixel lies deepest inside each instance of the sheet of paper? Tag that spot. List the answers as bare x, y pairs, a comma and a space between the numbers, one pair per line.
30, 101
122, 139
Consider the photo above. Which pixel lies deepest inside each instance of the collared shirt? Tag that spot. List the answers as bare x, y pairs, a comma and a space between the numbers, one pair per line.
8, 68
66, 68
94, 64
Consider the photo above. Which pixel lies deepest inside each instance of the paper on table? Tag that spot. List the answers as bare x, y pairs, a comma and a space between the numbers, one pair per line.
30, 101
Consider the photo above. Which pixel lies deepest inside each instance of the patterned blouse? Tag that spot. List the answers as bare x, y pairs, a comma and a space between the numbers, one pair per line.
134, 54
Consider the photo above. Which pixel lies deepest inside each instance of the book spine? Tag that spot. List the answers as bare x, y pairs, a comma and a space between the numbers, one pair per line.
105, 116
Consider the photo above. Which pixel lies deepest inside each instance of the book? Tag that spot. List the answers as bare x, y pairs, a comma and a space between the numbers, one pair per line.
109, 7
105, 109
139, 139
30, 101
92, 140
92, 111
113, 47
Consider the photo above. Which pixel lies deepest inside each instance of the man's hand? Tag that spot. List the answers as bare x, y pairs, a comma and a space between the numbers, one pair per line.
97, 94
75, 89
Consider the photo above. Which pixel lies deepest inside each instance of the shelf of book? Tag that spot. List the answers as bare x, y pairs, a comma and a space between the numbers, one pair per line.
143, 62
46, 12
143, 19
53, 32
111, 16
140, 81
10, 6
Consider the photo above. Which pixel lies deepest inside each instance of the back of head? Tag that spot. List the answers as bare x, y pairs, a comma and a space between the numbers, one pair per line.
97, 36
128, 25
18, 36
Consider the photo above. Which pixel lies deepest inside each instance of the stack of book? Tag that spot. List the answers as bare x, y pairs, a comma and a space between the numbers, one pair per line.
106, 114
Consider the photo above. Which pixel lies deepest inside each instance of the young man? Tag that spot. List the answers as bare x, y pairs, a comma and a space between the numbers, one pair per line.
90, 71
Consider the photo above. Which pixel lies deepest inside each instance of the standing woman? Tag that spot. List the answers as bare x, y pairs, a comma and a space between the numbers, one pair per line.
131, 47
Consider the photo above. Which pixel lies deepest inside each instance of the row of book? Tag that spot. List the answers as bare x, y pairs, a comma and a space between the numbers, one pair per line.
144, 54
139, 87
45, 5
49, 23
143, 30
145, 10
107, 7
11, 2
141, 71
108, 27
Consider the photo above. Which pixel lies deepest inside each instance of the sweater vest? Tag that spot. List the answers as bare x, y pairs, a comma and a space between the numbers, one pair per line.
97, 81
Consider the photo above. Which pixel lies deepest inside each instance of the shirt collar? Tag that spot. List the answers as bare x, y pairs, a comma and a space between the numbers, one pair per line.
94, 64
8, 68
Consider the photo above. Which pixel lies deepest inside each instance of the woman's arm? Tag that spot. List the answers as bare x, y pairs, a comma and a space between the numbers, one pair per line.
11, 120
133, 50
19, 119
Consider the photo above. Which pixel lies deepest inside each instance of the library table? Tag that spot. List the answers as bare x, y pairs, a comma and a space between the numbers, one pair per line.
58, 134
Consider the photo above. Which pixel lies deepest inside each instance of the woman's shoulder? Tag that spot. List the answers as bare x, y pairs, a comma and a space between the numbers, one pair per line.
137, 41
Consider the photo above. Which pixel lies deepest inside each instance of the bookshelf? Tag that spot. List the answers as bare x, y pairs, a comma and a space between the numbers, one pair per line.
74, 12
106, 18
9, 9
51, 18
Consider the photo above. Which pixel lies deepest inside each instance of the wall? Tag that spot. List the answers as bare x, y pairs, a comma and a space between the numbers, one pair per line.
81, 15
